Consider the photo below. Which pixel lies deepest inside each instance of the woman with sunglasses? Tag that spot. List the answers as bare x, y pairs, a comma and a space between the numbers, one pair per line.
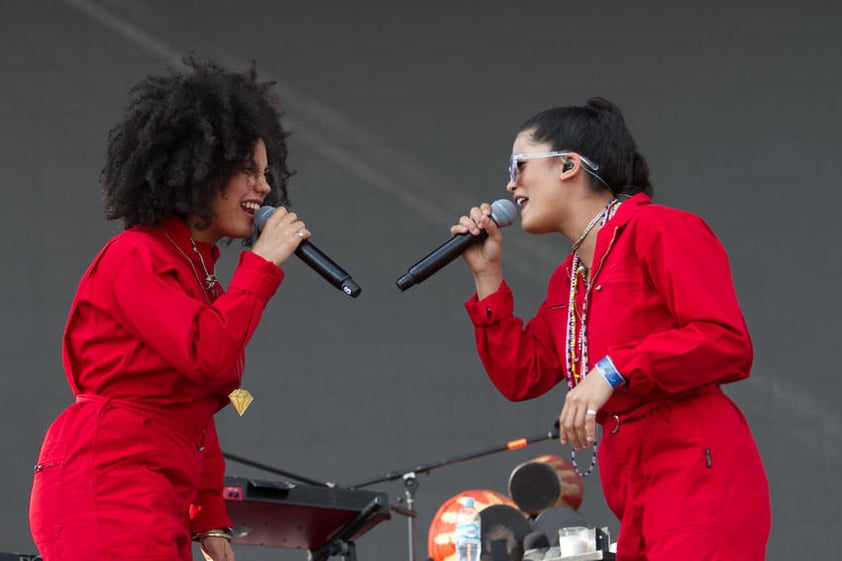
153, 347
642, 324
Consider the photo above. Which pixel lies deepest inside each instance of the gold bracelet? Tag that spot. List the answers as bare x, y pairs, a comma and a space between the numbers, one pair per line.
225, 533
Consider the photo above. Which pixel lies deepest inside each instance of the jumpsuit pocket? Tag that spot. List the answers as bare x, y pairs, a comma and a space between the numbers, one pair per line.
46, 505
683, 489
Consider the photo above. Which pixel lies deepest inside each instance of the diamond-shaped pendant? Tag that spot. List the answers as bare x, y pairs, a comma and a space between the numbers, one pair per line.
240, 398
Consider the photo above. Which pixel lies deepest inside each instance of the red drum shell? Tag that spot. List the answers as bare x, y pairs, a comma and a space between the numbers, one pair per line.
440, 546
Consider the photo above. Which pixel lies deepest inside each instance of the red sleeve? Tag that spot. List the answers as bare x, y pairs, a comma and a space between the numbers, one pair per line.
209, 511
521, 362
198, 339
709, 342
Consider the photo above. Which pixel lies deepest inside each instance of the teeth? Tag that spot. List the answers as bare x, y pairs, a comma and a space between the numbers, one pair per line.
250, 206
521, 201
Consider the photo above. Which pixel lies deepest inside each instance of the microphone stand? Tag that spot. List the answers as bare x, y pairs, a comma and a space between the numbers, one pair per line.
410, 476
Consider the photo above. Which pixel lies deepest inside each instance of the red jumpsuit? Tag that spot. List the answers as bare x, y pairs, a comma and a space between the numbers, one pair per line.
679, 466
133, 467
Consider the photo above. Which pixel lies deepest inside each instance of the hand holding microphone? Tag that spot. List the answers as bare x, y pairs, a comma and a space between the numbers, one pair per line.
502, 213
292, 238
280, 236
485, 255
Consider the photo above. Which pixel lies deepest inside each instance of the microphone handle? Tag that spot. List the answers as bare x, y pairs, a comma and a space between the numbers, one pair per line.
438, 258
327, 268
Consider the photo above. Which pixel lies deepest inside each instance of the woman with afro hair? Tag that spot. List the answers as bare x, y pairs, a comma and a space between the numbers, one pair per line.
153, 347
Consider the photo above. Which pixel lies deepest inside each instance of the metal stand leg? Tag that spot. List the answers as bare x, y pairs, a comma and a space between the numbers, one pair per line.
349, 552
410, 483
341, 543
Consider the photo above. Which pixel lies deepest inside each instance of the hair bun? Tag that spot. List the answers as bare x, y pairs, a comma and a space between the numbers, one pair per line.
602, 105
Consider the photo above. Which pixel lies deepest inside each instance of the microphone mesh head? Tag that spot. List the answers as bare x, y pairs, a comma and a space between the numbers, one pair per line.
503, 212
261, 216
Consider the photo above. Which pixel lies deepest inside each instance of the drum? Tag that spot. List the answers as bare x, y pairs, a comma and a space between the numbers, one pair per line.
503, 530
440, 545
545, 482
553, 519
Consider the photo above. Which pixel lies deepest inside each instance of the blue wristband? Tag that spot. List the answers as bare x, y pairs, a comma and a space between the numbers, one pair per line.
609, 372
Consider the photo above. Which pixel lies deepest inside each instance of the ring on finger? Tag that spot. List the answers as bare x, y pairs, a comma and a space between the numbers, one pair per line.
591, 412
301, 234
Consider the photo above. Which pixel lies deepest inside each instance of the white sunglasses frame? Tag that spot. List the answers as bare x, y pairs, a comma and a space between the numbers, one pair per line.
523, 156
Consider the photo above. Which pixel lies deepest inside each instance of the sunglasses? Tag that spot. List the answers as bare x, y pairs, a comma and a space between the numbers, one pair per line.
517, 159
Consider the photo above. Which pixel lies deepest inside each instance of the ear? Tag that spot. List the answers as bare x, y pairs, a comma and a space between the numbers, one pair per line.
571, 165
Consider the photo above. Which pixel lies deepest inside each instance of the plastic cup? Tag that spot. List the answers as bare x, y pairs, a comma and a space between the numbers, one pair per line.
576, 539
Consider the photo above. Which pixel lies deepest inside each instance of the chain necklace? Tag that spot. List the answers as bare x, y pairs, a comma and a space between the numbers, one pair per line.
240, 398
210, 278
590, 227
577, 347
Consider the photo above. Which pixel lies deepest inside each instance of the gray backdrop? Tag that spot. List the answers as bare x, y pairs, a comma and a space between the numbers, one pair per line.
403, 117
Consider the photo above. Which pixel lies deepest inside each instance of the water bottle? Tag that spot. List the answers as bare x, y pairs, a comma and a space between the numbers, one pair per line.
468, 537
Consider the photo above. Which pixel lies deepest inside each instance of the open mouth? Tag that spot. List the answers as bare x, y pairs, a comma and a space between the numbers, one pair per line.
521, 201
250, 207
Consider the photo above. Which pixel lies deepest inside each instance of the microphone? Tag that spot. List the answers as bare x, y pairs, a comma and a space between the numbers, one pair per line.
313, 257
503, 212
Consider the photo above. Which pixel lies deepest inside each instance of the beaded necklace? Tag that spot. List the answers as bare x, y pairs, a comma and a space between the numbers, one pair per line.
240, 398
577, 347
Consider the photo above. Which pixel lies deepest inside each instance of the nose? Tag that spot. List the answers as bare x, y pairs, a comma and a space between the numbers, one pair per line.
262, 185
511, 186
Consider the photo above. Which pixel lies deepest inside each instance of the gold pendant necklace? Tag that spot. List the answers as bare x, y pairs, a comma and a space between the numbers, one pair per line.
240, 398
